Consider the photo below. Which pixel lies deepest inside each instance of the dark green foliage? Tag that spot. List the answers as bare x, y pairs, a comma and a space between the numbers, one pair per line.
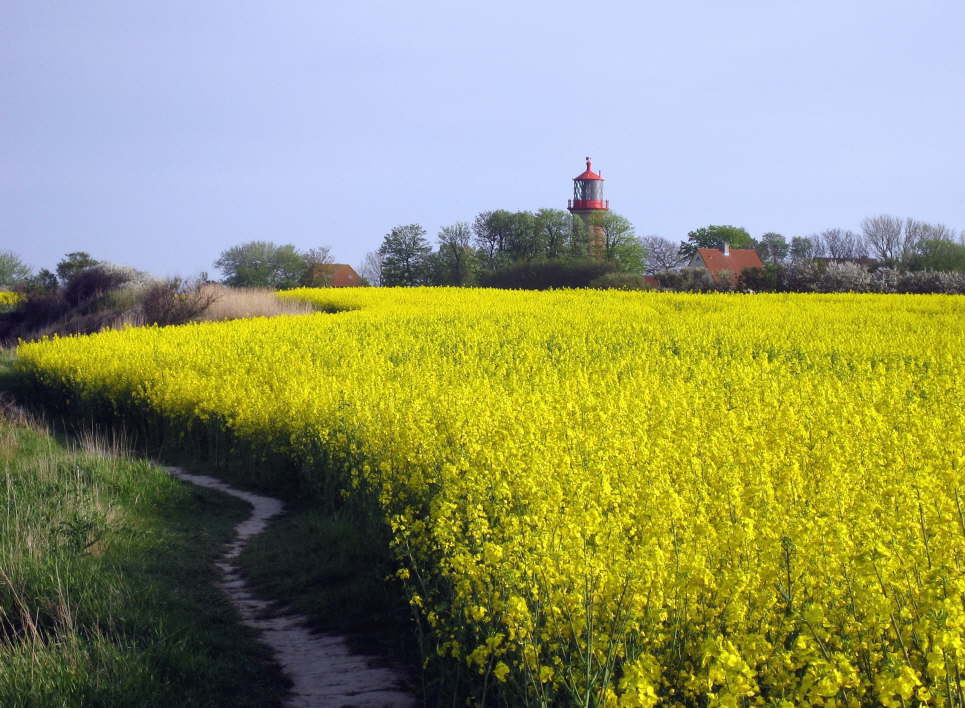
690, 280
767, 279
938, 254
405, 256
86, 286
621, 281
72, 264
262, 264
88, 302
543, 275
620, 244
772, 247
802, 249
715, 237
43, 281
457, 261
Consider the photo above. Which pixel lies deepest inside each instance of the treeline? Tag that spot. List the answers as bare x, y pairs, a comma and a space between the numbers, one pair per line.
883, 241
551, 248
547, 248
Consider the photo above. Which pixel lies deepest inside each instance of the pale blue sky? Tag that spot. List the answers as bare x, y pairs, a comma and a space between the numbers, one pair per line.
157, 133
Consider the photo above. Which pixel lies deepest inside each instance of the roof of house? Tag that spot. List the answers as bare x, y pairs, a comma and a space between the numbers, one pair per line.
739, 258
338, 275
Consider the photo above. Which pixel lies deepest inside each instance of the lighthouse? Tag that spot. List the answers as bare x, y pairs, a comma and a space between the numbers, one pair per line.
588, 200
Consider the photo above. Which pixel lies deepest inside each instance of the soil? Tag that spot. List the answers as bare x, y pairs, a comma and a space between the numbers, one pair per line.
322, 668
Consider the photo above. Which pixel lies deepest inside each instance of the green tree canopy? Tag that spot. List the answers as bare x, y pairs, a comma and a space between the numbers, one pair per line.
405, 256
457, 259
620, 243
262, 264
802, 248
715, 237
73, 263
12, 269
554, 229
772, 247
938, 254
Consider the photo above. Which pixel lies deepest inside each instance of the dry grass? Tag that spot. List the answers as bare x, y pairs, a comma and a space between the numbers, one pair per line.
238, 303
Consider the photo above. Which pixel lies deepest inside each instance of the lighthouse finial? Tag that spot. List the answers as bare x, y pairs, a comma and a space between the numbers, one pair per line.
587, 162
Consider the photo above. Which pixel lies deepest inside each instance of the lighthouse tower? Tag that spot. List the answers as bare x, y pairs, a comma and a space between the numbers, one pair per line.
588, 200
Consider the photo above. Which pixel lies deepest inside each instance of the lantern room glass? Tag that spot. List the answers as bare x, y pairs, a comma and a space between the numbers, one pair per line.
587, 189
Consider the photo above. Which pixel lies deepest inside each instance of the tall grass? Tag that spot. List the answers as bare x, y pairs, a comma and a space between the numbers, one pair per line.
107, 589
238, 303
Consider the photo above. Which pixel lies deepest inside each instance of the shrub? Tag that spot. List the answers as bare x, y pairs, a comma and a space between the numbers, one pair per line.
621, 281
543, 275
690, 279
176, 301
90, 284
884, 280
770, 278
844, 278
931, 281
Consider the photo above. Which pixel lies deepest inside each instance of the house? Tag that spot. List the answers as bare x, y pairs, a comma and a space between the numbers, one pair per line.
333, 275
727, 263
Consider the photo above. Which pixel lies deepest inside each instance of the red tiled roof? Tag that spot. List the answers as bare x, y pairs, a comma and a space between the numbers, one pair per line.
739, 259
335, 275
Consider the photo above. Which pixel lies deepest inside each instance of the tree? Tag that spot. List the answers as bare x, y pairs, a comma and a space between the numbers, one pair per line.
804, 248
405, 253
918, 232
318, 256
662, 255
772, 247
938, 254
841, 244
262, 264
620, 244
42, 282
491, 230
715, 237
12, 269
457, 259
885, 237
317, 273
555, 231
371, 268
74, 263
522, 240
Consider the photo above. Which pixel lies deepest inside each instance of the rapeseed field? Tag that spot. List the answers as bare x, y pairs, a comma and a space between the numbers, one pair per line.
604, 498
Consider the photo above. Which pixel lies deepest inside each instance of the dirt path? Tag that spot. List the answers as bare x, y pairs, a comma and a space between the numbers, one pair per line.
322, 668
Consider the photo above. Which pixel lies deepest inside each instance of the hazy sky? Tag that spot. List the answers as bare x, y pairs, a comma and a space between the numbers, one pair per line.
156, 133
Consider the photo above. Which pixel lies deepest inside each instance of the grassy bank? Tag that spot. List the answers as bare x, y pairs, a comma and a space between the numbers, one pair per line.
107, 585
313, 559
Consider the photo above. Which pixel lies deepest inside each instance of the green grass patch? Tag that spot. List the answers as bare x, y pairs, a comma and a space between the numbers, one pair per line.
107, 583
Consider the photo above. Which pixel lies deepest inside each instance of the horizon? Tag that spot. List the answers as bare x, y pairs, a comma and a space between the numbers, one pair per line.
158, 136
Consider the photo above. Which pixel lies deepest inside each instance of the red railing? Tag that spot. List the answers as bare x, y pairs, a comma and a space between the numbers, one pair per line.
581, 204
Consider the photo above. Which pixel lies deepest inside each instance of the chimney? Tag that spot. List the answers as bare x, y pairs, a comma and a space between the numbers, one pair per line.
726, 248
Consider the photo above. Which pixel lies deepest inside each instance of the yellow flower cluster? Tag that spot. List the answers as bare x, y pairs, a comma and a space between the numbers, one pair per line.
612, 498
8, 298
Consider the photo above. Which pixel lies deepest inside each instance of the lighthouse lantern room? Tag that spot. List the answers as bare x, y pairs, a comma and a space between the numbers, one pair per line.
588, 192
588, 200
